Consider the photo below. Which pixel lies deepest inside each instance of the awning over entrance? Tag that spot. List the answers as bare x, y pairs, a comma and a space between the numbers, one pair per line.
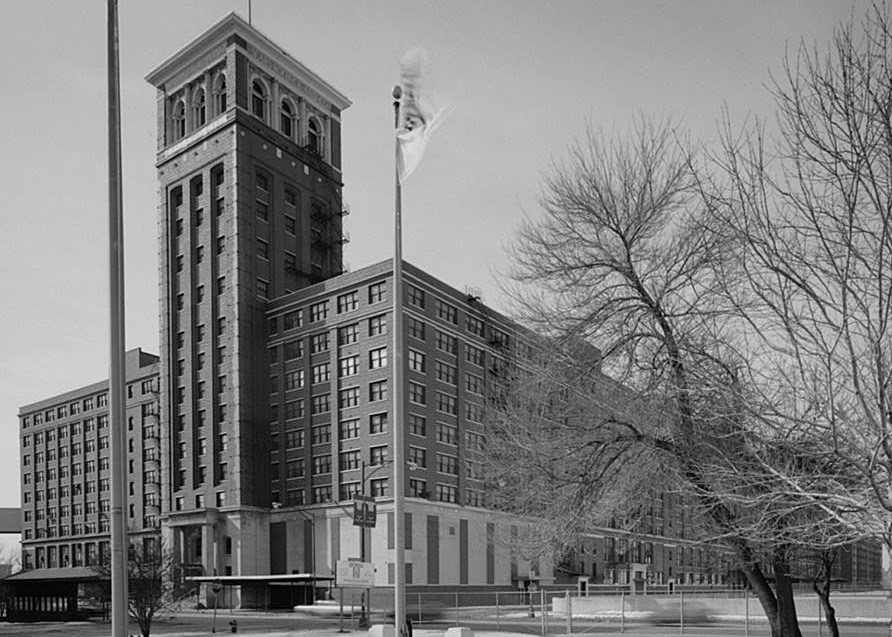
238, 580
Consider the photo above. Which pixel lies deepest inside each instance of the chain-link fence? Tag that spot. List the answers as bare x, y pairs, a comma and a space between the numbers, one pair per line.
564, 612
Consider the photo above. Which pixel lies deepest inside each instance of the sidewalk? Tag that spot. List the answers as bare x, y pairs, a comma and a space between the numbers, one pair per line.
326, 632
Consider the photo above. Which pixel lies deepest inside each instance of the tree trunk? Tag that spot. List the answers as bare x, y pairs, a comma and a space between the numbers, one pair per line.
822, 588
785, 602
766, 597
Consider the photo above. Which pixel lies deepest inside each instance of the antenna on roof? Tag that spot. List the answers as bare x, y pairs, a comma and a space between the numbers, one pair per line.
249, 11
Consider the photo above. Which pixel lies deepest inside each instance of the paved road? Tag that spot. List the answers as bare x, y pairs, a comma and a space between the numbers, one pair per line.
282, 625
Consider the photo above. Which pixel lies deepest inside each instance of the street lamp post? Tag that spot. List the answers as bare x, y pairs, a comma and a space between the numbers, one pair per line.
366, 597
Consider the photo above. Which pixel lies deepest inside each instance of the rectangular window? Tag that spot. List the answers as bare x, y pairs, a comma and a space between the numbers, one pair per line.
262, 289
378, 390
319, 343
294, 468
350, 460
446, 493
319, 311
378, 325
416, 328
290, 261
293, 349
446, 372
415, 296
378, 358
321, 404
294, 409
377, 455
348, 397
417, 394
322, 494
416, 361
290, 224
378, 423
347, 302
474, 441
262, 249
348, 334
446, 403
474, 355
377, 292
294, 379
349, 490
378, 487
447, 343
321, 465
473, 383
321, 373
320, 434
473, 412
446, 311
418, 456
348, 366
294, 438
447, 434
475, 326
498, 338
262, 210
348, 429
292, 320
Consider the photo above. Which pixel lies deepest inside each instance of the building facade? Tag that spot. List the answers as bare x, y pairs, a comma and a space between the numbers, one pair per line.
66, 478
269, 407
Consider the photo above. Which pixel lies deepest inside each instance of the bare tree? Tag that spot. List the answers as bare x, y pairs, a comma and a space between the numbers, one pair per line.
150, 581
628, 257
812, 216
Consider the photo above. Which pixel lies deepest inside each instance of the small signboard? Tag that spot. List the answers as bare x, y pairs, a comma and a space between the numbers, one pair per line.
353, 573
365, 511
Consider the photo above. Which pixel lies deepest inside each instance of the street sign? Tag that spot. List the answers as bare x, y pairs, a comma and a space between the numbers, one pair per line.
353, 573
365, 511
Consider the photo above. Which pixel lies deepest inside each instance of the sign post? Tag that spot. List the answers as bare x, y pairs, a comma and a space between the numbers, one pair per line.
365, 515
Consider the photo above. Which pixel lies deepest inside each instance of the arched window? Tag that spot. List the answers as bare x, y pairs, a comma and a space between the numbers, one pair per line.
220, 94
179, 120
286, 117
314, 136
199, 108
258, 99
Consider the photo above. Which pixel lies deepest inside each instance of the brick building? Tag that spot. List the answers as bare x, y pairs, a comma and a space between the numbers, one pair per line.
252, 432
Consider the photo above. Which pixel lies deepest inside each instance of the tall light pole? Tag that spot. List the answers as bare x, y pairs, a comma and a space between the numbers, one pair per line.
399, 522
116, 407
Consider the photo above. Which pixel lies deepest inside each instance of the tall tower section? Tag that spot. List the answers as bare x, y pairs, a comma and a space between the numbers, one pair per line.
249, 165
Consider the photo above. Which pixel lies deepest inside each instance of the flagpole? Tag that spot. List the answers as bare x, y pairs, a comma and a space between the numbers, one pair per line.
399, 518
116, 334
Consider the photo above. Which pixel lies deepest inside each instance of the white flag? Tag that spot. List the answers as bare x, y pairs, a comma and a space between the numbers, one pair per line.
417, 119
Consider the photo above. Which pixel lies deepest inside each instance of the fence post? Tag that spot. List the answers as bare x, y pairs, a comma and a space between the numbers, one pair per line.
569, 613
622, 612
746, 613
681, 614
498, 613
820, 620
543, 609
456, 609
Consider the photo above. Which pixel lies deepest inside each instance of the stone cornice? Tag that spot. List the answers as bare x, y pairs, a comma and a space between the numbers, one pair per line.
209, 47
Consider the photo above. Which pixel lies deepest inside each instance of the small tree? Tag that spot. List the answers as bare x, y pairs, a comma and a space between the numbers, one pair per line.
150, 581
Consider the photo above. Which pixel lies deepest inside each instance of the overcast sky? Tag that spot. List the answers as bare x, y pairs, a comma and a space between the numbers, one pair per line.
522, 76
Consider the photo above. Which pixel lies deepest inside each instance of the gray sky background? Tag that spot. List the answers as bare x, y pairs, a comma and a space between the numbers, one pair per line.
523, 77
